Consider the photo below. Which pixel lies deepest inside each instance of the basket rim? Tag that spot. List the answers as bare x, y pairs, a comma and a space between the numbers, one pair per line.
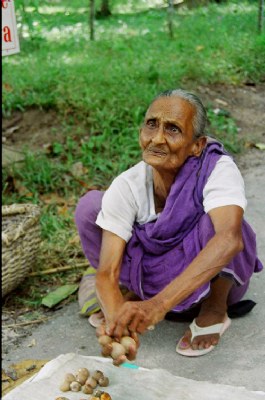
21, 229
19, 208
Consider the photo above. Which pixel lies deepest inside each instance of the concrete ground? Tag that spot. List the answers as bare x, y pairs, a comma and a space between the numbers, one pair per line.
239, 358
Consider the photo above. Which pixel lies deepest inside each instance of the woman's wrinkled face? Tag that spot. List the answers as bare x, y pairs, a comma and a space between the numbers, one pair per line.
166, 136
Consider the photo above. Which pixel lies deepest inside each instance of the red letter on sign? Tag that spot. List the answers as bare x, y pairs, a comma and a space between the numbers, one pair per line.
7, 34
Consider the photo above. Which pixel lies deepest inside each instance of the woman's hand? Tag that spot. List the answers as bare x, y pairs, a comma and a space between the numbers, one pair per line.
136, 316
106, 348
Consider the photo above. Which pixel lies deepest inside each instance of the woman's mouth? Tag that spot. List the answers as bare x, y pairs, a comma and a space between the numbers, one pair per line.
156, 152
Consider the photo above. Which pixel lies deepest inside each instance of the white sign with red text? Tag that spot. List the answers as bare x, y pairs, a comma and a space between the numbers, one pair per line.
10, 43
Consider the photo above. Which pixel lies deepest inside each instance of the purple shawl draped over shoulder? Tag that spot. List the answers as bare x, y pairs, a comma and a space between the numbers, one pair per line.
160, 250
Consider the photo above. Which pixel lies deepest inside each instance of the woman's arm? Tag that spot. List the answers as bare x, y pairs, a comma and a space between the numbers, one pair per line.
107, 288
218, 252
107, 276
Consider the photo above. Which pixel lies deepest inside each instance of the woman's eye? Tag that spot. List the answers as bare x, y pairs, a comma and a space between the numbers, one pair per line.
173, 129
151, 123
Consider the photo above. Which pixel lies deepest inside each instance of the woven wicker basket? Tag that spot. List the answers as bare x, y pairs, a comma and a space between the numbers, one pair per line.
20, 243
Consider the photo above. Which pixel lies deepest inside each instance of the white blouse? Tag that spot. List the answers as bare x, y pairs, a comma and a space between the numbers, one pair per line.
130, 197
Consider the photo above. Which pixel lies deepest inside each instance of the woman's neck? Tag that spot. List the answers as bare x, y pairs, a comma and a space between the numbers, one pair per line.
162, 183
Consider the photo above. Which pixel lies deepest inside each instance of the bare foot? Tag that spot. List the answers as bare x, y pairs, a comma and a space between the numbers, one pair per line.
207, 317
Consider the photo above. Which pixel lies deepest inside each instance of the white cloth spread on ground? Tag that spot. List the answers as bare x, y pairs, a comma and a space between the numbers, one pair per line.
130, 197
125, 383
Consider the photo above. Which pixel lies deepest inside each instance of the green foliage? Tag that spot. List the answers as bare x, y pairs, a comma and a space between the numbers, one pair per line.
223, 128
132, 58
108, 83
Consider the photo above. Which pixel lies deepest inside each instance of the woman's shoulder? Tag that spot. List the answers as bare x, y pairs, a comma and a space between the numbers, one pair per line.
141, 166
225, 186
226, 159
136, 175
226, 163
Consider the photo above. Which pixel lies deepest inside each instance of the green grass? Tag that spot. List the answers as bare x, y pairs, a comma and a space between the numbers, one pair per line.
131, 60
107, 84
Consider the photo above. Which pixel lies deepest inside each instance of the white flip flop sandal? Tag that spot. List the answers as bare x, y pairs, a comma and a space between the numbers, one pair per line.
197, 331
95, 320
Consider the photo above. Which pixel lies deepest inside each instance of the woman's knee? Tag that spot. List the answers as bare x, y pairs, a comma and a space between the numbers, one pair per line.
88, 208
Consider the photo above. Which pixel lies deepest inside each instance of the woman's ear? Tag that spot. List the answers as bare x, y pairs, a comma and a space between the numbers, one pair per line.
198, 146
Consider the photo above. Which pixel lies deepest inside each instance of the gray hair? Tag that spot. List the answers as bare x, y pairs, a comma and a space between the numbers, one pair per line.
200, 117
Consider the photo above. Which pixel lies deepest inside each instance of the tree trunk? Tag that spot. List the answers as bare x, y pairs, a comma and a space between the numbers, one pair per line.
92, 19
170, 11
261, 16
105, 8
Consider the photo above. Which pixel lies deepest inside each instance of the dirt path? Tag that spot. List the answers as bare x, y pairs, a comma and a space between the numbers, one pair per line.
246, 105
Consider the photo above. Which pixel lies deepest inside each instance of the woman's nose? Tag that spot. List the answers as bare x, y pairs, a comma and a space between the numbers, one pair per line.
159, 135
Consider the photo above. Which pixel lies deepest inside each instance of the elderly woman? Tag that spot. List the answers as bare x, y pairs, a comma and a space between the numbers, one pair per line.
171, 229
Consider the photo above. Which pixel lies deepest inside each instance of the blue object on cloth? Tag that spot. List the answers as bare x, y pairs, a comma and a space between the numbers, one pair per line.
128, 365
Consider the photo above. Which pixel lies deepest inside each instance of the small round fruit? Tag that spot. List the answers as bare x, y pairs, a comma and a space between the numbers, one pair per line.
106, 350
61, 398
104, 339
75, 386
69, 378
65, 386
103, 381
127, 342
97, 375
105, 396
83, 371
87, 389
117, 350
98, 393
81, 378
91, 382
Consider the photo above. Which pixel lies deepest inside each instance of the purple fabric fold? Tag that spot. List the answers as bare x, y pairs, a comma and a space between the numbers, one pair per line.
183, 206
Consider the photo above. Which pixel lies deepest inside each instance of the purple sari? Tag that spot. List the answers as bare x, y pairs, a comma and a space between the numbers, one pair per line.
160, 250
